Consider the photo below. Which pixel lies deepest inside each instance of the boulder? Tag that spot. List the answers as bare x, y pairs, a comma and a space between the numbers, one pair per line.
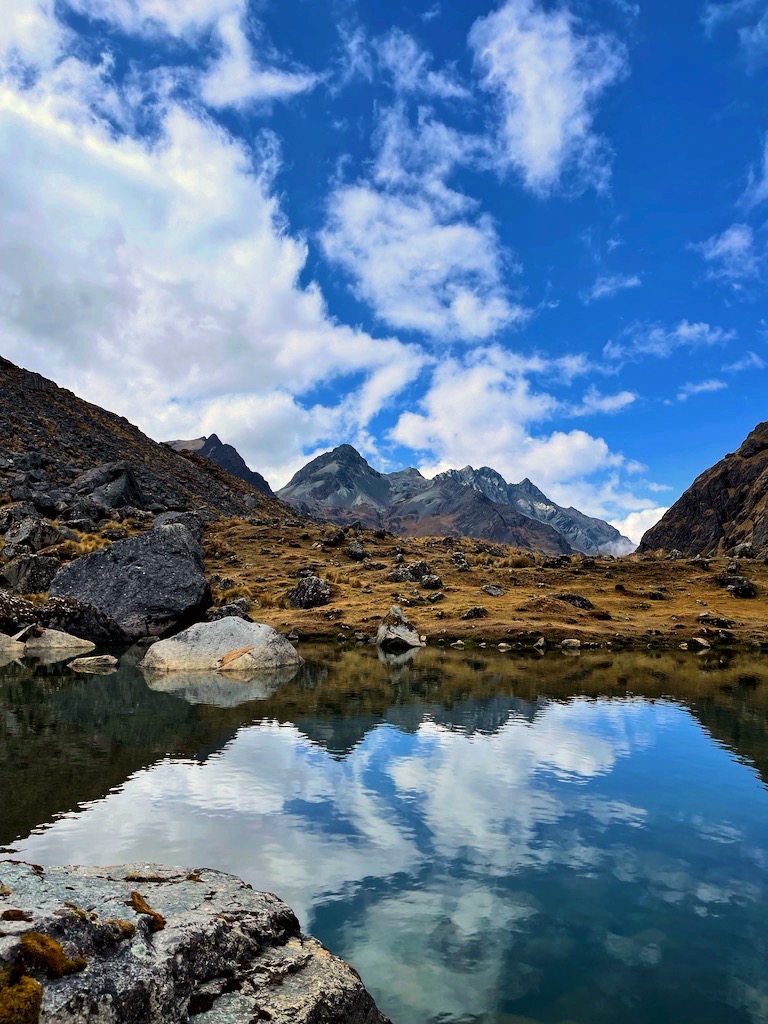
10, 648
570, 645
144, 944
355, 551
30, 574
149, 584
476, 612
194, 521
412, 573
12, 515
396, 633
574, 599
54, 640
310, 592
33, 534
228, 645
739, 586
110, 486
492, 591
85, 621
99, 665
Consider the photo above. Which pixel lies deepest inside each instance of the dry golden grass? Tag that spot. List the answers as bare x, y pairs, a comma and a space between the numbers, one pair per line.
264, 563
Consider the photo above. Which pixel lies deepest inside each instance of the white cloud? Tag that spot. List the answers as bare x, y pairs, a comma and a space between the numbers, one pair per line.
731, 256
410, 69
119, 259
237, 78
181, 18
548, 76
30, 34
749, 361
636, 524
594, 402
656, 340
703, 387
418, 271
752, 19
608, 285
757, 188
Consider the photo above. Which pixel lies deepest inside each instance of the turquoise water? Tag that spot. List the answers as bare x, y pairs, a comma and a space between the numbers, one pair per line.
486, 840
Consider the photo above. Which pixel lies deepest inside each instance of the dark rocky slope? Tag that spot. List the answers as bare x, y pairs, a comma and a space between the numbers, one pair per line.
725, 510
50, 438
224, 455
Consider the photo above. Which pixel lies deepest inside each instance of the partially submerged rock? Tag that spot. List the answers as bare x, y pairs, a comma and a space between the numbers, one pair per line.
148, 584
142, 944
99, 665
48, 640
228, 645
396, 633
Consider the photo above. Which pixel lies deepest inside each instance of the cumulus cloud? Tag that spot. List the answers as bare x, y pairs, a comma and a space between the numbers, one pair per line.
547, 72
636, 524
119, 258
608, 285
416, 270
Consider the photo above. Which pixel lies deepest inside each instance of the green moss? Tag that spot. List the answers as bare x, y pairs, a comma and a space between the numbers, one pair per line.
21, 999
140, 905
43, 955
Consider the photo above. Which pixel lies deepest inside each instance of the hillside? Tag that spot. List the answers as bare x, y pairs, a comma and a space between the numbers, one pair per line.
725, 509
58, 437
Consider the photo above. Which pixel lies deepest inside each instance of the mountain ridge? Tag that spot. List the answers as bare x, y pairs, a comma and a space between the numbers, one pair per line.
223, 455
342, 485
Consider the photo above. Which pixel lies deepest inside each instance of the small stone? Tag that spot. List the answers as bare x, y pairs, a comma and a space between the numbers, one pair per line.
570, 645
99, 665
476, 612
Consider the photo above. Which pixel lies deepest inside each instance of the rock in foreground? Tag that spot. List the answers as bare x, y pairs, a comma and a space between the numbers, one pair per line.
148, 584
226, 645
396, 632
141, 944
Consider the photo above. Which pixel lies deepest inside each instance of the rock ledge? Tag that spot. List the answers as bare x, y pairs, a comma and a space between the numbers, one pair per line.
143, 944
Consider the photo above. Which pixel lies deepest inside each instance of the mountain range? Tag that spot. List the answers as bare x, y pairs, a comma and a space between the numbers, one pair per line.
223, 455
343, 487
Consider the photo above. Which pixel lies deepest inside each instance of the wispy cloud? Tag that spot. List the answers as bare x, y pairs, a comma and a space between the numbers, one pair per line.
411, 71
608, 285
749, 361
751, 18
731, 256
655, 340
757, 186
703, 387
594, 403
548, 74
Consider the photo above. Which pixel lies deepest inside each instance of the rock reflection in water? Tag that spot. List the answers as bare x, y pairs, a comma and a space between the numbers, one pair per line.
486, 839
219, 689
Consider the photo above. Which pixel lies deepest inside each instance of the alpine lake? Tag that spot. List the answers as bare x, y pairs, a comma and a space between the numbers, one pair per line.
486, 838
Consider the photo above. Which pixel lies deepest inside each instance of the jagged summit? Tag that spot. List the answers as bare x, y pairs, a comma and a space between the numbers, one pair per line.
341, 484
223, 455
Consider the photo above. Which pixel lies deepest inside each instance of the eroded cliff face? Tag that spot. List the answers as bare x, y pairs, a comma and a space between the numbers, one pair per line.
143, 944
725, 510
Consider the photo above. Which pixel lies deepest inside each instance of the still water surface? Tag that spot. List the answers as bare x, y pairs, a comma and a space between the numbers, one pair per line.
486, 839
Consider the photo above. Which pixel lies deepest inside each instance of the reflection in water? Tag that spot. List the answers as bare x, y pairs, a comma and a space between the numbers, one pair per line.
220, 689
486, 840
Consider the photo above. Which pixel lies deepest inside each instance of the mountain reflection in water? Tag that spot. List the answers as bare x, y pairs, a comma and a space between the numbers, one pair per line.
486, 839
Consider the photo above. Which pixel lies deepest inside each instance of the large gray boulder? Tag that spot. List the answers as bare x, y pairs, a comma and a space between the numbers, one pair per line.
30, 574
227, 645
148, 584
144, 944
111, 486
396, 632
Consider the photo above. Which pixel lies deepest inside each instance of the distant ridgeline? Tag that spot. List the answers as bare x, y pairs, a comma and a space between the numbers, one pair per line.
725, 510
225, 456
342, 487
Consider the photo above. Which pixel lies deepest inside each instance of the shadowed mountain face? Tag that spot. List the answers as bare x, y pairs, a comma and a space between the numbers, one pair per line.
223, 455
727, 506
340, 485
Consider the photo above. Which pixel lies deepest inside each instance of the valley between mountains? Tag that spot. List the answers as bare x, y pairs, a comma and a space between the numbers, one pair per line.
471, 558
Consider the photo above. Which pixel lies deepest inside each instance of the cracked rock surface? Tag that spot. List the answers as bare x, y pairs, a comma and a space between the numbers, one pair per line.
153, 945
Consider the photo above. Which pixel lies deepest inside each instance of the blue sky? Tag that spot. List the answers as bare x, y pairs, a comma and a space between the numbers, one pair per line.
527, 234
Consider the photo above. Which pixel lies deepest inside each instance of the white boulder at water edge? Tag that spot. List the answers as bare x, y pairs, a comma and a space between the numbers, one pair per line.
228, 645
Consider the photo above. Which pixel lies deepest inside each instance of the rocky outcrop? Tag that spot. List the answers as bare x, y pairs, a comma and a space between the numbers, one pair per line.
229, 645
223, 455
396, 633
143, 944
310, 592
725, 510
149, 584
